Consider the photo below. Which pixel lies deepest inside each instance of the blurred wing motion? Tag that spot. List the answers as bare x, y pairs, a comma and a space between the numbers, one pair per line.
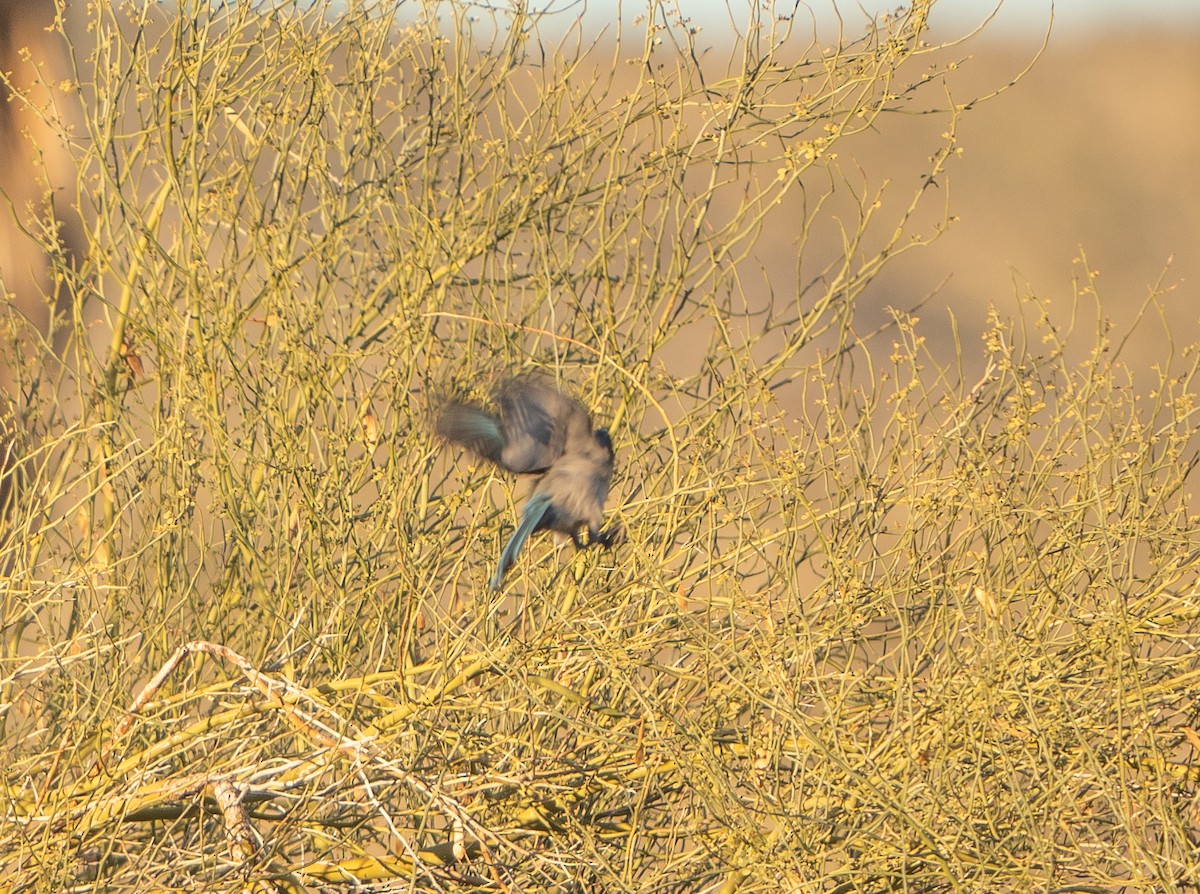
538, 429
474, 429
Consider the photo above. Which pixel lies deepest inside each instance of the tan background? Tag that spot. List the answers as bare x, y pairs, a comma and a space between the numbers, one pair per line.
1096, 149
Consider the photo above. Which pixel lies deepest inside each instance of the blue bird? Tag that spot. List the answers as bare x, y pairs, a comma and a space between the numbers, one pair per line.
538, 430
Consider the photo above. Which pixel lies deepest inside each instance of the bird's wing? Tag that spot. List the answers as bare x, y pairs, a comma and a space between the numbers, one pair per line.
535, 511
473, 428
534, 421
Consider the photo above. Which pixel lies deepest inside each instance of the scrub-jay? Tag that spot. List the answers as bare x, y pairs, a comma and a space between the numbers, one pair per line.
539, 430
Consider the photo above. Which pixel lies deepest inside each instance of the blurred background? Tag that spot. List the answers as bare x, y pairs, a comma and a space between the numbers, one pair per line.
1074, 16
1095, 152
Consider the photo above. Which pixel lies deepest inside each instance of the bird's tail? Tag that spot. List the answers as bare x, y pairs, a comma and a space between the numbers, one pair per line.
535, 511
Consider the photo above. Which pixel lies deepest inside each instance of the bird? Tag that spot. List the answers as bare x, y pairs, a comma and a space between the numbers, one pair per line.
538, 430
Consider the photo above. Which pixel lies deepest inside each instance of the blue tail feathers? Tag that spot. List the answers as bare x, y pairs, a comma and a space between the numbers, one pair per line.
535, 511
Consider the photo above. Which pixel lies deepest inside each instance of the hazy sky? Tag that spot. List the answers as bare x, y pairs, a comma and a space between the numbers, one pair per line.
1068, 14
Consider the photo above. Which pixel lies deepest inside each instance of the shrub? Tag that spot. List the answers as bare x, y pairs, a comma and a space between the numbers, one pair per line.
878, 624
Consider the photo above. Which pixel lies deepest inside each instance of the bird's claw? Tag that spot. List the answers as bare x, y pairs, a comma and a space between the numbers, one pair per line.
613, 535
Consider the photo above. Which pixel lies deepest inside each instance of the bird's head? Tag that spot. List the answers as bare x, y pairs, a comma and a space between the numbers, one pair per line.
602, 438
